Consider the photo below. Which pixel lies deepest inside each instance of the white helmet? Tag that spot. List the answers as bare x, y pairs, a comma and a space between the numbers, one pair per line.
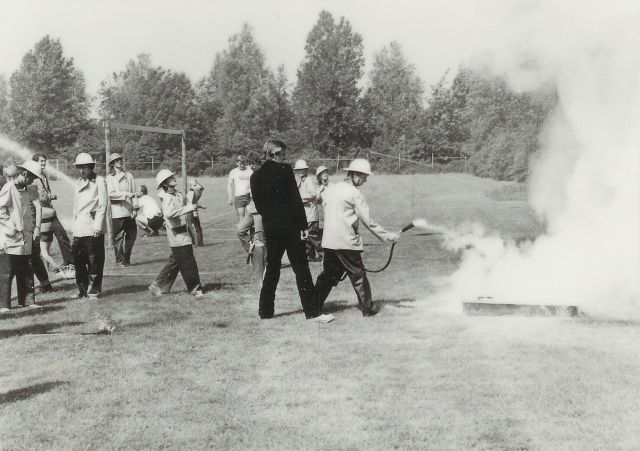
114, 156
360, 165
84, 158
162, 175
301, 164
320, 170
31, 166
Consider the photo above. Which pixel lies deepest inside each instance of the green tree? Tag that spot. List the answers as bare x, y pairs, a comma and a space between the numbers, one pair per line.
49, 106
393, 103
4, 106
326, 98
241, 100
144, 94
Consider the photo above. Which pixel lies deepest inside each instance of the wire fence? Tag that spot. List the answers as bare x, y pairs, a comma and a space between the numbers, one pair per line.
383, 163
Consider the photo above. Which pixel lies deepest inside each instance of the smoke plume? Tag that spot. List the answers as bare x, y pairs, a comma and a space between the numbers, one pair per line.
585, 181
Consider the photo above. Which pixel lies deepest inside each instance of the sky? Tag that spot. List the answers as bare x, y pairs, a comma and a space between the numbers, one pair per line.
102, 36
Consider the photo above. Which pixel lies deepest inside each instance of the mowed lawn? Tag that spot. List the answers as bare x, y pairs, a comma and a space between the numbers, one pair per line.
184, 374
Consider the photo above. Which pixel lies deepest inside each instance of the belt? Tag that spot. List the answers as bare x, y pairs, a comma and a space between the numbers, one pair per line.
179, 229
44, 220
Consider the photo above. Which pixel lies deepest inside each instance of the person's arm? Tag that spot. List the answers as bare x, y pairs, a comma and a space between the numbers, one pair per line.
101, 212
134, 199
230, 184
38, 208
170, 210
362, 211
296, 200
257, 193
5, 217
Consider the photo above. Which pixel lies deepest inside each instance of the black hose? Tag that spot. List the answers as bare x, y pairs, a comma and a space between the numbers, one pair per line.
393, 246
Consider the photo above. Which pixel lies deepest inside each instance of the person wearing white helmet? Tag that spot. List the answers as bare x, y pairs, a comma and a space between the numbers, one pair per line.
175, 210
51, 225
121, 188
322, 183
308, 194
17, 230
345, 211
89, 226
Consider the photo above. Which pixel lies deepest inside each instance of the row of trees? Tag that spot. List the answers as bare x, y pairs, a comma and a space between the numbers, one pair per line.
241, 101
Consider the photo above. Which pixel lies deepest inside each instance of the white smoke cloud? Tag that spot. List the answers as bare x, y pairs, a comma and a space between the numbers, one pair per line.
585, 182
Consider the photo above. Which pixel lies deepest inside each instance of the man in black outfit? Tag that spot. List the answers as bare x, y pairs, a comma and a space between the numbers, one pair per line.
277, 199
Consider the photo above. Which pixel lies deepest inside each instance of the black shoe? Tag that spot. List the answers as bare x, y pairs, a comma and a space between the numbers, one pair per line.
46, 288
373, 312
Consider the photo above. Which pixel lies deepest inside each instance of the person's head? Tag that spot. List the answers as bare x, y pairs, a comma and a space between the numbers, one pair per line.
322, 175
27, 172
116, 163
166, 181
255, 163
274, 150
358, 171
85, 164
10, 171
300, 168
241, 162
142, 191
41, 159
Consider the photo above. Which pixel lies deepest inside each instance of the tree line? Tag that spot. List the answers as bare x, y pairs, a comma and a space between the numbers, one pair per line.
330, 110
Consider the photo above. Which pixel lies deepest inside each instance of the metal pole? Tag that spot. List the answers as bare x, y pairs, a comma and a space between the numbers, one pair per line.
398, 161
212, 163
431, 160
152, 165
107, 151
184, 162
465, 164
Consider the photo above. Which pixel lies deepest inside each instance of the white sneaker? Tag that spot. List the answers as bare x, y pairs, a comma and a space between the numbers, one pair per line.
155, 289
322, 319
34, 306
4, 310
198, 294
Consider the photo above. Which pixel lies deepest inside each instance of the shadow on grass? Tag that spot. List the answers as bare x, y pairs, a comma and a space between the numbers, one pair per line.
217, 286
169, 318
128, 289
342, 305
20, 394
36, 329
20, 313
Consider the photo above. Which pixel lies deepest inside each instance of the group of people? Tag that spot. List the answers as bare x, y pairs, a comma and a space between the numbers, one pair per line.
310, 220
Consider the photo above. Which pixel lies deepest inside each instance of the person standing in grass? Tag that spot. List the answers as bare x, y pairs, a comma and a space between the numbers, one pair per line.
149, 215
322, 180
238, 188
193, 219
277, 199
16, 237
308, 194
89, 227
345, 210
50, 220
121, 188
175, 210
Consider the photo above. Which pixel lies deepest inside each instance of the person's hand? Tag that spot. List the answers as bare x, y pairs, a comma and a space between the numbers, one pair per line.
53, 197
96, 233
134, 214
395, 237
304, 234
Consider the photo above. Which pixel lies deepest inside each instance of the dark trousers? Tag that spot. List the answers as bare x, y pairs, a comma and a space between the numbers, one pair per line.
5, 286
63, 241
335, 264
124, 236
88, 258
195, 230
19, 268
277, 243
181, 260
314, 240
37, 265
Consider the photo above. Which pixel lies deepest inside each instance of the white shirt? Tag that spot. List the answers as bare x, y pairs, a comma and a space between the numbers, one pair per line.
11, 222
148, 206
307, 187
238, 184
121, 188
89, 207
344, 210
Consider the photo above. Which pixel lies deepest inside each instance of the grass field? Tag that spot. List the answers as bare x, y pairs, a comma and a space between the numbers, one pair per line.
185, 374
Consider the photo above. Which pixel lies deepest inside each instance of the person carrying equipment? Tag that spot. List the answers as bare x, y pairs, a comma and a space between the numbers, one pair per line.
345, 210
121, 188
175, 211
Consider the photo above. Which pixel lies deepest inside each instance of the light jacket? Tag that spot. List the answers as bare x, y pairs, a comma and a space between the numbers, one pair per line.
121, 188
307, 188
90, 206
175, 213
345, 208
12, 240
